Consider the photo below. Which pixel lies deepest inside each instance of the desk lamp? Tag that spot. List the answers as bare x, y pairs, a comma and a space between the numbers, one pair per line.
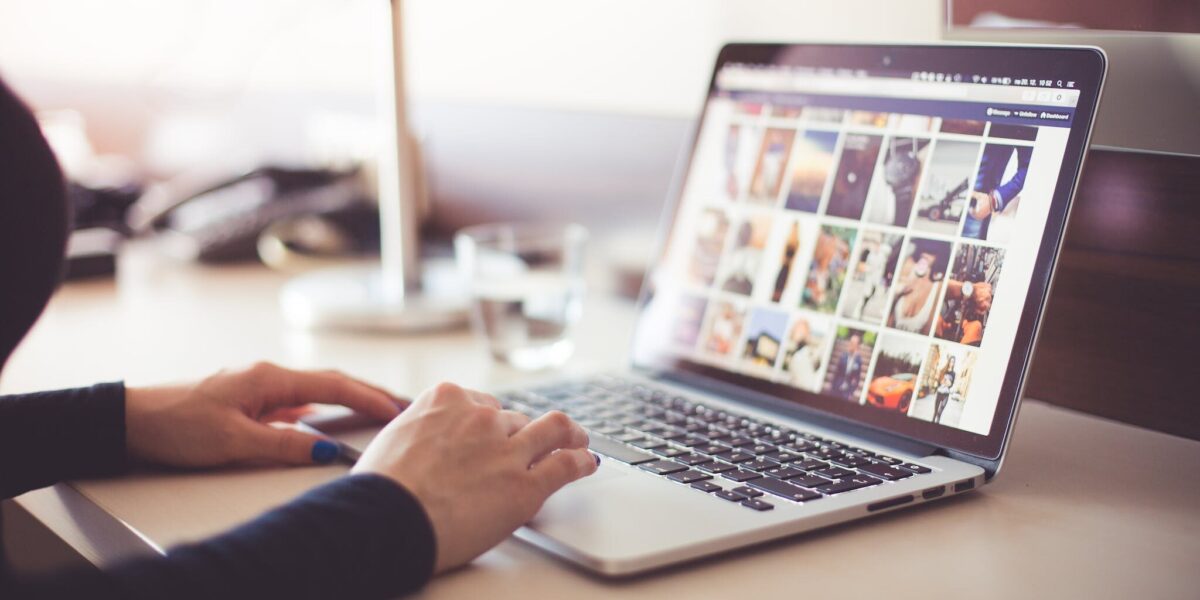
401, 293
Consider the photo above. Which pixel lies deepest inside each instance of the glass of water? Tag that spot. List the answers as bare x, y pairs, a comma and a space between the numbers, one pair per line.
526, 285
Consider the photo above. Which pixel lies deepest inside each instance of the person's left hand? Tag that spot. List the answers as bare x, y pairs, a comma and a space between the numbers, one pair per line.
224, 418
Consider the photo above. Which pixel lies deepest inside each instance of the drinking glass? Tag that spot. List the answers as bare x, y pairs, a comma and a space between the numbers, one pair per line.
526, 285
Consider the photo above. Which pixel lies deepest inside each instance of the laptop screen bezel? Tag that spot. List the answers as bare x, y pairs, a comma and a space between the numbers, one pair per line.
1084, 65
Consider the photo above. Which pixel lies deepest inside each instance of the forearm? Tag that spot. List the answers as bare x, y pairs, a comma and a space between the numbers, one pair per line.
49, 437
362, 536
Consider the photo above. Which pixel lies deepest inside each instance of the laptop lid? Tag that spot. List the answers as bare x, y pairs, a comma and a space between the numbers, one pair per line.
870, 232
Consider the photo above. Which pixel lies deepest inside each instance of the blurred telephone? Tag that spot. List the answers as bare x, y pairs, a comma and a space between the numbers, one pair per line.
222, 222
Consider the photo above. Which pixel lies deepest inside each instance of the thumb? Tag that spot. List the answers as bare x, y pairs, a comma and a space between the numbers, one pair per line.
289, 446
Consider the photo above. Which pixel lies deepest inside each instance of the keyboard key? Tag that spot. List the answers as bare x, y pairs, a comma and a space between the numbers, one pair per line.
738, 441
760, 463
693, 440
711, 448
693, 459
740, 475
783, 456
853, 483
735, 456
671, 451
663, 467
850, 461
748, 492
810, 464
628, 437
730, 495
688, 476
648, 443
888, 460
884, 471
802, 445
809, 481
706, 486
784, 489
715, 467
605, 445
757, 504
834, 473
761, 448
782, 472
915, 468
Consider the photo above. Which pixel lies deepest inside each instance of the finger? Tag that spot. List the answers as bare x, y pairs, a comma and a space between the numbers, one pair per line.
289, 414
483, 398
286, 445
513, 421
563, 467
547, 433
306, 387
401, 402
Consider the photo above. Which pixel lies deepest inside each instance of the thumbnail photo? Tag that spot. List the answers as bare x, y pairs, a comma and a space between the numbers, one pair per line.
814, 161
944, 194
921, 274
848, 363
969, 293
725, 322
741, 146
764, 338
827, 272
689, 317
867, 285
992, 208
963, 126
894, 380
741, 264
913, 124
771, 165
804, 353
1013, 132
787, 258
942, 389
890, 201
818, 114
860, 152
862, 118
711, 228
785, 112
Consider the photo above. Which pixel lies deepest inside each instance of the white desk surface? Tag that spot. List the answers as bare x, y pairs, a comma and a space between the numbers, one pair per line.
1083, 508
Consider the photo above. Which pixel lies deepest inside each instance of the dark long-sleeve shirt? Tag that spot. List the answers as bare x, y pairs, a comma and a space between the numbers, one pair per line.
362, 536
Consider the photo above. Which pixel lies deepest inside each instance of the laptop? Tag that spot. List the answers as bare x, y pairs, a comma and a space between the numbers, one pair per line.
844, 305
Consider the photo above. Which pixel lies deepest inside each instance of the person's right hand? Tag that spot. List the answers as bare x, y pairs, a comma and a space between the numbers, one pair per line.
479, 471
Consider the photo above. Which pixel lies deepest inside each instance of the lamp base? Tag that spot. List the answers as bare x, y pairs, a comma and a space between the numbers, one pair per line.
353, 298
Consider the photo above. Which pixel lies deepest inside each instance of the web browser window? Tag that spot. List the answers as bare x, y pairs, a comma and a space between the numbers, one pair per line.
861, 236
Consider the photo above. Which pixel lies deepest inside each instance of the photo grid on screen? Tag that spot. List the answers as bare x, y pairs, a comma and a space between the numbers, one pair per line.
853, 254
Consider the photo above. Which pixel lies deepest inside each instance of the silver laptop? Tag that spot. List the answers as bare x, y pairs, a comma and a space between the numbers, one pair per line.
844, 304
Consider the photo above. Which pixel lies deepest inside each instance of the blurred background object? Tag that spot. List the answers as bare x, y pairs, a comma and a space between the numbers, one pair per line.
536, 109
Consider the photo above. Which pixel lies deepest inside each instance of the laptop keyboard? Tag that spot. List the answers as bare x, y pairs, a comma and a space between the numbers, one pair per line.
727, 455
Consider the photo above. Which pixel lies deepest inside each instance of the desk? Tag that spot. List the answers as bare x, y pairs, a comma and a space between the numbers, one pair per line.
1084, 507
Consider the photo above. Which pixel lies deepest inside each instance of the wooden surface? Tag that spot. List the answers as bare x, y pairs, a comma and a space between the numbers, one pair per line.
1123, 322
1084, 507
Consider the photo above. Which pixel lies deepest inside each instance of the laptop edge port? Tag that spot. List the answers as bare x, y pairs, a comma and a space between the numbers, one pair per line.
932, 493
963, 486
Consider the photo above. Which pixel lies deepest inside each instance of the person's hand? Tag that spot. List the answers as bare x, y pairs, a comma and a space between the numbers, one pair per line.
479, 471
983, 205
224, 418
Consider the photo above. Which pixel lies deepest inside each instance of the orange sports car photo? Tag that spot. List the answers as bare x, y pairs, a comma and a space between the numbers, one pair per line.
894, 392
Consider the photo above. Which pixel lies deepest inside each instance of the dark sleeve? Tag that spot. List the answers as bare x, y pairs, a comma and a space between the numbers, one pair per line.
362, 536
49, 437
1013, 186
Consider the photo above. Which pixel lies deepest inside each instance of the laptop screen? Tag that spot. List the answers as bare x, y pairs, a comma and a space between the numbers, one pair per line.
866, 239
